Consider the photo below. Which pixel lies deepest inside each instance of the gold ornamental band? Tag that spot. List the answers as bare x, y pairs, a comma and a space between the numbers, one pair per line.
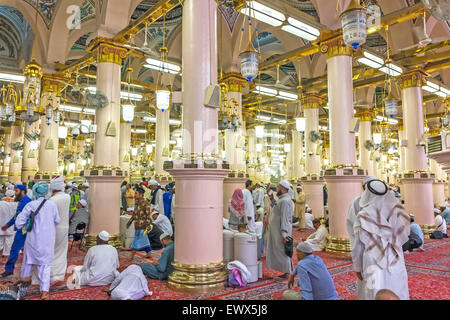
15, 174
339, 245
198, 278
412, 79
115, 240
335, 47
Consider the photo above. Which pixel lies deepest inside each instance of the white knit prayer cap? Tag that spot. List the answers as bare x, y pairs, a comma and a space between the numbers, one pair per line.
153, 182
83, 203
304, 247
104, 235
163, 235
436, 211
308, 209
270, 192
285, 184
9, 193
86, 184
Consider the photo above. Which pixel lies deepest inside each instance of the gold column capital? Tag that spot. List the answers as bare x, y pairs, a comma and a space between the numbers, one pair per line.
335, 47
311, 100
365, 114
52, 84
235, 81
107, 51
413, 78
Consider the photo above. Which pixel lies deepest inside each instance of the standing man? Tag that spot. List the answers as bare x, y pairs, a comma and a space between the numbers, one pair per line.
300, 207
129, 197
157, 202
40, 242
142, 224
269, 204
249, 206
7, 211
62, 201
280, 229
380, 230
258, 195
85, 188
19, 238
167, 199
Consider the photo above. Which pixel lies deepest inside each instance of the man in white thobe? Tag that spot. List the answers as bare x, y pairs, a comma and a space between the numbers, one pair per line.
280, 229
40, 242
380, 229
62, 201
309, 218
249, 206
351, 217
7, 211
439, 222
162, 222
156, 198
258, 197
100, 264
318, 240
130, 284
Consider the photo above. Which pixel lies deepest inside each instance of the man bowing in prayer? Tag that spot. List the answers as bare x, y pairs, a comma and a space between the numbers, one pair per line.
156, 201
280, 229
130, 284
62, 201
380, 229
40, 242
163, 269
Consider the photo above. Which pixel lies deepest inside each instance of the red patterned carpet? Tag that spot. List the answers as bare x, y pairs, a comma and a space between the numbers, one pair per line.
428, 277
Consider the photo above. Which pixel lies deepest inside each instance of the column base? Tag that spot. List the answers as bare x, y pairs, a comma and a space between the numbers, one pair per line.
198, 278
427, 230
339, 245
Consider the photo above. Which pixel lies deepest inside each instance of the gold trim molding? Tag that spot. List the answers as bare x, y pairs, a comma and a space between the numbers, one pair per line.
411, 79
339, 245
335, 47
234, 81
198, 278
107, 51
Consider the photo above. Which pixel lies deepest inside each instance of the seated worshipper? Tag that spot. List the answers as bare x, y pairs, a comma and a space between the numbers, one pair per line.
280, 230
309, 218
318, 240
7, 212
236, 208
440, 226
156, 198
100, 264
130, 284
142, 224
81, 215
416, 239
167, 200
446, 214
380, 229
163, 269
385, 294
39, 245
153, 236
314, 280
161, 221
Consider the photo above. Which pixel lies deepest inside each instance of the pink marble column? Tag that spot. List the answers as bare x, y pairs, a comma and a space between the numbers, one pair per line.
343, 177
29, 155
313, 181
162, 137
105, 175
365, 134
198, 264
416, 180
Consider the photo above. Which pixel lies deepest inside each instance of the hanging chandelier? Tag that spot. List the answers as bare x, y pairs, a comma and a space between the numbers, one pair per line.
128, 106
249, 57
390, 103
8, 103
163, 94
354, 24
30, 109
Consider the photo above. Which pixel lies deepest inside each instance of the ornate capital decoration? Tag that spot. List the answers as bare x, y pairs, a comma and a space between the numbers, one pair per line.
311, 101
335, 47
415, 78
339, 245
235, 81
107, 51
52, 84
365, 114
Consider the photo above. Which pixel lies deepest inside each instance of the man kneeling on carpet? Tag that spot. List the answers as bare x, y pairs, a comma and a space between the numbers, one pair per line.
314, 279
163, 269
100, 264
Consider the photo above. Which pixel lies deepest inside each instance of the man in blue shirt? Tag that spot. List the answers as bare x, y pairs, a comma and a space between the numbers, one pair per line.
415, 228
19, 238
446, 214
167, 201
313, 277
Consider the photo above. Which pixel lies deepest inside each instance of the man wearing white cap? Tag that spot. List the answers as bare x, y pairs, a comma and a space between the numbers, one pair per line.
380, 230
439, 223
7, 212
81, 215
100, 264
62, 201
163, 222
313, 277
249, 206
163, 269
309, 218
269, 203
84, 191
280, 229
156, 200
130, 284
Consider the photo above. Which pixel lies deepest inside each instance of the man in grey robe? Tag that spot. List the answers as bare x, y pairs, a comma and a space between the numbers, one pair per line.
280, 229
78, 216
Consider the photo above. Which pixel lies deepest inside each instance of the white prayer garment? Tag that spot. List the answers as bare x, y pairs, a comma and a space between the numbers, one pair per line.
159, 203
59, 263
259, 197
318, 240
309, 221
163, 222
440, 224
131, 284
99, 268
249, 210
172, 208
380, 230
7, 211
40, 242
